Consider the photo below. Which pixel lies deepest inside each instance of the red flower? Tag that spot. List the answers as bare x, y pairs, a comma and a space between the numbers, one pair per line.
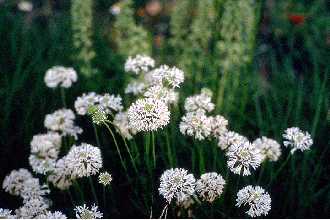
296, 19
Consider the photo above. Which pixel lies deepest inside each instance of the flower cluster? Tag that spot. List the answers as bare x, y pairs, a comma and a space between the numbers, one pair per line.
210, 186
85, 212
297, 139
105, 178
60, 76
269, 148
139, 63
122, 126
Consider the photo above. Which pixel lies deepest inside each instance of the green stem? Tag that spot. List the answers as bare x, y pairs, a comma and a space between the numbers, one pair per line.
169, 151
76, 185
96, 135
93, 190
63, 97
153, 148
280, 169
104, 200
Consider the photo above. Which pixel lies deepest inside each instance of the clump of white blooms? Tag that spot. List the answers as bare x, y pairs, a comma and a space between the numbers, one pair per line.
210, 186
105, 178
14, 182
60, 76
297, 139
135, 88
33, 190
177, 184
242, 157
98, 115
168, 96
110, 103
32, 208
85, 212
200, 102
62, 121
122, 126
256, 197
44, 152
269, 148
83, 102
148, 114
6, 214
139, 63
169, 76
52, 215
219, 125
196, 124
229, 138
84, 160
61, 177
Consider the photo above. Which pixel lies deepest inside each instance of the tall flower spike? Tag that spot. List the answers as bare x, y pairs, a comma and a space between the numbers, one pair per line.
297, 139
177, 184
256, 197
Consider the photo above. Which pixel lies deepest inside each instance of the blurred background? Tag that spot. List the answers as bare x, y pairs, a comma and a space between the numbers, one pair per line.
267, 62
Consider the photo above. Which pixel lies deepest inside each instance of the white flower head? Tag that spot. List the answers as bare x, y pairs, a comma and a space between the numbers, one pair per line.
61, 177
148, 115
32, 208
14, 182
60, 76
196, 124
62, 121
85, 160
268, 148
210, 186
297, 139
121, 123
139, 63
85, 212
177, 184
242, 157
255, 197
33, 190
229, 138
199, 102
105, 178
25, 6
110, 103
219, 125
83, 102
135, 88
169, 96
168, 76
6, 214
52, 215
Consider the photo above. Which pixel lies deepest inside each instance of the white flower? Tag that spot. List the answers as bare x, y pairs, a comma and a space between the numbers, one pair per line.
41, 165
187, 203
60, 76
84, 212
256, 197
33, 190
121, 123
199, 102
243, 156
110, 103
25, 6
61, 176
229, 138
169, 76
210, 186
177, 184
52, 215
83, 102
139, 63
135, 88
6, 214
62, 121
196, 124
84, 160
268, 148
105, 178
32, 208
148, 114
14, 182
169, 96
219, 125
297, 139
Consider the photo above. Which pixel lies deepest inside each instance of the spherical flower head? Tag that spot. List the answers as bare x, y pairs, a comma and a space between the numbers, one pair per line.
41, 165
110, 103
169, 96
229, 138
135, 88
97, 114
33, 190
83, 102
60, 76
177, 184
297, 139
85, 212
14, 182
199, 102
148, 115
196, 124
6, 214
242, 157
32, 208
269, 148
85, 160
52, 215
62, 121
255, 197
105, 178
139, 64
61, 176
210, 186
121, 123
168, 76
219, 125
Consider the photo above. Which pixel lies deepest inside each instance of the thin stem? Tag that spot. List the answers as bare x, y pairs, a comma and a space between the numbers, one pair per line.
93, 189
63, 97
76, 185
261, 173
96, 135
164, 211
169, 151
104, 200
147, 152
153, 148
280, 169
71, 198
